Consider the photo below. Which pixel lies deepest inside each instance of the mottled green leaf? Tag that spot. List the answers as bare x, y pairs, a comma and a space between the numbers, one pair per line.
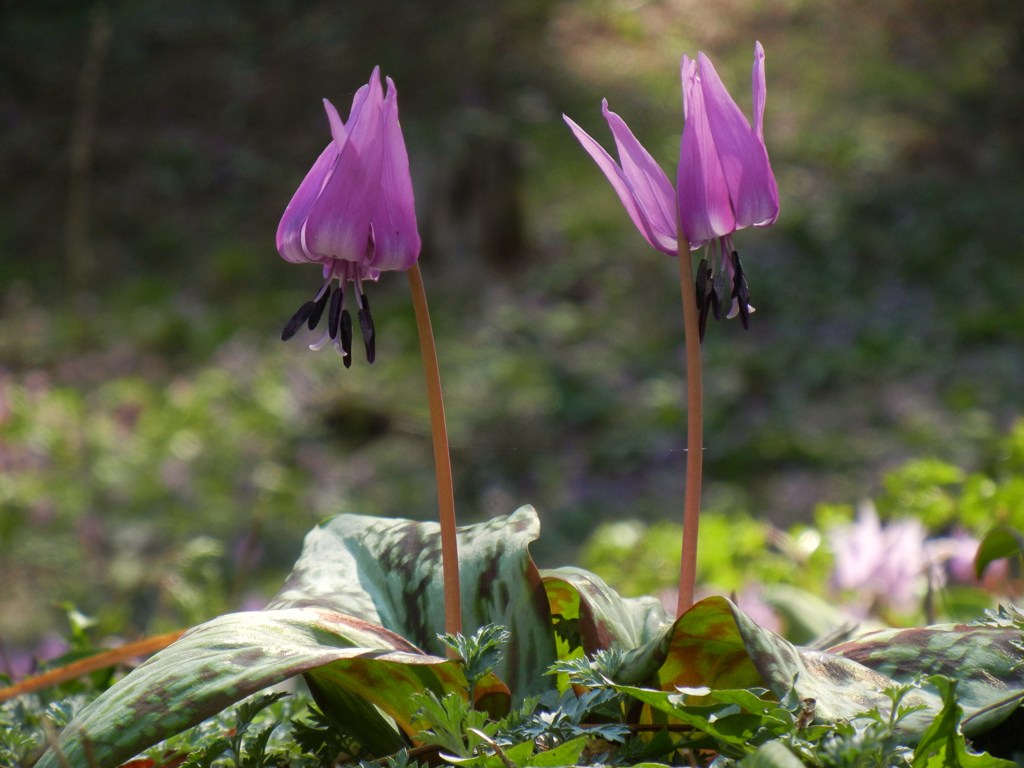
364, 598
605, 620
717, 645
987, 663
706, 647
226, 659
388, 572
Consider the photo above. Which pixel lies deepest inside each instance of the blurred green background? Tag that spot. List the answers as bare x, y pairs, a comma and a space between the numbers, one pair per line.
162, 453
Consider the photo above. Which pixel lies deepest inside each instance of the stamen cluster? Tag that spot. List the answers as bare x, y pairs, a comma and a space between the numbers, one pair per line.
711, 291
339, 321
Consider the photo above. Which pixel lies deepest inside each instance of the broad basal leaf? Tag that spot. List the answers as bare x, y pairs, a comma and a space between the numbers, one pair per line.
986, 661
388, 572
594, 616
715, 644
363, 599
224, 660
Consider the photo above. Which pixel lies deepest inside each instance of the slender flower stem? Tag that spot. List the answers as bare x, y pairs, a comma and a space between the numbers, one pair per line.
442, 458
694, 432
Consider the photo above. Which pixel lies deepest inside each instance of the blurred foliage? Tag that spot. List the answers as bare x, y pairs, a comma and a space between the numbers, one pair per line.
941, 494
162, 453
760, 564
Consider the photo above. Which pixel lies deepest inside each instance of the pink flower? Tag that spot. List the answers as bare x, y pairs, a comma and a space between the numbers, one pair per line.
887, 564
353, 214
724, 181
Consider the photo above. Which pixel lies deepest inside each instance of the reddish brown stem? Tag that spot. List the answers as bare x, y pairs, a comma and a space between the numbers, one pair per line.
442, 458
694, 434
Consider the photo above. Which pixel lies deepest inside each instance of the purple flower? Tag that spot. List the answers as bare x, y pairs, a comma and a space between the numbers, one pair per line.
724, 181
353, 214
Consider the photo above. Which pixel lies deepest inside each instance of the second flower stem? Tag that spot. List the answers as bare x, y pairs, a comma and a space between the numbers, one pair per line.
694, 434
442, 457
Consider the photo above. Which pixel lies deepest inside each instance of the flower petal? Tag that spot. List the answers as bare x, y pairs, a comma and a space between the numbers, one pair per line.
705, 205
760, 91
338, 226
768, 208
651, 188
741, 152
617, 178
289, 231
395, 235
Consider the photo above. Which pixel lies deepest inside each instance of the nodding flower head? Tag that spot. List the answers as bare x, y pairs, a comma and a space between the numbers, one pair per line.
724, 182
354, 215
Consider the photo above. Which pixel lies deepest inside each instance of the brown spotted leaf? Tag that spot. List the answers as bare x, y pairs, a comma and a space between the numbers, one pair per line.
594, 617
985, 660
388, 572
224, 660
715, 644
363, 601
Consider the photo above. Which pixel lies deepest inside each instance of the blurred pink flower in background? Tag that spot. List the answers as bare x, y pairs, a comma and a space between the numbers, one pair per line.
888, 564
19, 663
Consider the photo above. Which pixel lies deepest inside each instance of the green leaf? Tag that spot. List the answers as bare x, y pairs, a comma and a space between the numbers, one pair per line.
986, 662
363, 599
942, 744
732, 728
1002, 541
226, 659
517, 755
608, 621
717, 645
567, 753
388, 572
714, 644
772, 755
